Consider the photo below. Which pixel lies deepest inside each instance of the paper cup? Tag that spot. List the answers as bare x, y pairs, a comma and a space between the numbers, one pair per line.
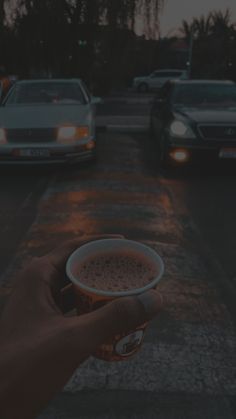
122, 346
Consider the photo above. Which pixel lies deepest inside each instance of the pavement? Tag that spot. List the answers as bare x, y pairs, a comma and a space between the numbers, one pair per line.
115, 112
186, 368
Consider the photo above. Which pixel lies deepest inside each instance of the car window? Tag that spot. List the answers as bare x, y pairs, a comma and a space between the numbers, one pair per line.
175, 74
172, 74
155, 74
164, 74
205, 94
159, 74
45, 93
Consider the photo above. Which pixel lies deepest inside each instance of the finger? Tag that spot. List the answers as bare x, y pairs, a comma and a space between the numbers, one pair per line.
65, 300
59, 256
120, 316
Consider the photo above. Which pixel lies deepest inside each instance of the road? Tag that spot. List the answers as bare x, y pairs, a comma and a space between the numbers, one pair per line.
187, 366
20, 191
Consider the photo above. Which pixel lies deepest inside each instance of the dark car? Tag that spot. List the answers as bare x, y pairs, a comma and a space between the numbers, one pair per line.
194, 118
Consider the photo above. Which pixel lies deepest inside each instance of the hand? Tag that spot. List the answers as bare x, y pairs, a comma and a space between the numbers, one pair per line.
41, 346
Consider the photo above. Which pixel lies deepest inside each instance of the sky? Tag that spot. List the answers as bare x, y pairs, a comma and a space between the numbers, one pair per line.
174, 11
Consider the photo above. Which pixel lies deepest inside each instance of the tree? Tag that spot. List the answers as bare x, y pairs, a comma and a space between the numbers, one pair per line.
214, 44
62, 34
2, 20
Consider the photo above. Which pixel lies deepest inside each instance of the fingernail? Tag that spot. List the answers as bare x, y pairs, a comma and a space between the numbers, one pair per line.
152, 301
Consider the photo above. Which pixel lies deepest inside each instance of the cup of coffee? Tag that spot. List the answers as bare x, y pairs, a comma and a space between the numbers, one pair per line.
105, 269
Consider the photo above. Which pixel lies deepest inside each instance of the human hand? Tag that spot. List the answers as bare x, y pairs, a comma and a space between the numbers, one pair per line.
41, 346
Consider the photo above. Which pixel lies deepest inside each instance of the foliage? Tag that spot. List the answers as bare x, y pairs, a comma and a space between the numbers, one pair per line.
214, 44
74, 37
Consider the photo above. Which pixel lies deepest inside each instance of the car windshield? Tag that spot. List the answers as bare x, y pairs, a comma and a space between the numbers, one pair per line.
41, 93
205, 95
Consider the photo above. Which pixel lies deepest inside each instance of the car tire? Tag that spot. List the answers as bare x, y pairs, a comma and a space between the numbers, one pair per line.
143, 88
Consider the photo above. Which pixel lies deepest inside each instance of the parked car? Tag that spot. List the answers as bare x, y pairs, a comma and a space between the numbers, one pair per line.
157, 79
46, 121
194, 118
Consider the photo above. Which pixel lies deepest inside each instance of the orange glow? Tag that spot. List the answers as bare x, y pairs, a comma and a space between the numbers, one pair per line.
72, 133
180, 156
90, 145
82, 132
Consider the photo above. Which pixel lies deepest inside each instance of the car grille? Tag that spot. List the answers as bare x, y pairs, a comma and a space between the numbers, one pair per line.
32, 135
218, 132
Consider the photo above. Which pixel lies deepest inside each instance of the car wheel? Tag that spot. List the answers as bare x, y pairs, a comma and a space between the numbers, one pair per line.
143, 88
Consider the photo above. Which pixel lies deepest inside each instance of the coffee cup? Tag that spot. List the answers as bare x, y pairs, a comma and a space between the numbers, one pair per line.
106, 269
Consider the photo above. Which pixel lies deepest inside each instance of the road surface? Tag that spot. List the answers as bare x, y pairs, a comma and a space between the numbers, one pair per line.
186, 368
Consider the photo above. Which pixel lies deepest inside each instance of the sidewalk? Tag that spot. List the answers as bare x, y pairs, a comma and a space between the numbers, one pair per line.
186, 369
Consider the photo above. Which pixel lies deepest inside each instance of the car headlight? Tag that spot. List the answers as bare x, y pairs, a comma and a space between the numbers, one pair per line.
180, 129
3, 138
72, 133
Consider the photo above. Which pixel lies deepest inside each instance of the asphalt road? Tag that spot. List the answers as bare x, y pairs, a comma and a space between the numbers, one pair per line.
211, 201
186, 368
209, 195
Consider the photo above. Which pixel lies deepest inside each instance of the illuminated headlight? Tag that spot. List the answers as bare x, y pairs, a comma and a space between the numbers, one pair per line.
180, 129
180, 156
71, 133
3, 139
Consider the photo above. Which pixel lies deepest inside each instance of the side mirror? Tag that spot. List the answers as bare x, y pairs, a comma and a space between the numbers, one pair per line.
96, 100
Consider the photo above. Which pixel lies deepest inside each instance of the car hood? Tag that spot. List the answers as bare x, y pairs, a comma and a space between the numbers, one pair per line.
44, 116
219, 115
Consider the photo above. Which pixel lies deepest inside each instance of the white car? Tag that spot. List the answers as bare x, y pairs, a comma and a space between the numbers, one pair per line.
46, 121
157, 79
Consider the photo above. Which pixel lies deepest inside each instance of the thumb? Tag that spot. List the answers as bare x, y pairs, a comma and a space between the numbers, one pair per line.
120, 316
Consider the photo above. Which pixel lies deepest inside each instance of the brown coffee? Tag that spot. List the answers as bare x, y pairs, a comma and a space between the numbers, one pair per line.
116, 271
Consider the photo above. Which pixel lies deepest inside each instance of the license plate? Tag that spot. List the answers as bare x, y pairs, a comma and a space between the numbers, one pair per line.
227, 153
31, 152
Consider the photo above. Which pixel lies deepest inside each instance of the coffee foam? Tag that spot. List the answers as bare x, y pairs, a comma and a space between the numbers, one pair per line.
116, 271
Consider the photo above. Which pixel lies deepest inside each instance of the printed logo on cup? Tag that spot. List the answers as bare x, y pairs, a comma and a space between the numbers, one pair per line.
127, 345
